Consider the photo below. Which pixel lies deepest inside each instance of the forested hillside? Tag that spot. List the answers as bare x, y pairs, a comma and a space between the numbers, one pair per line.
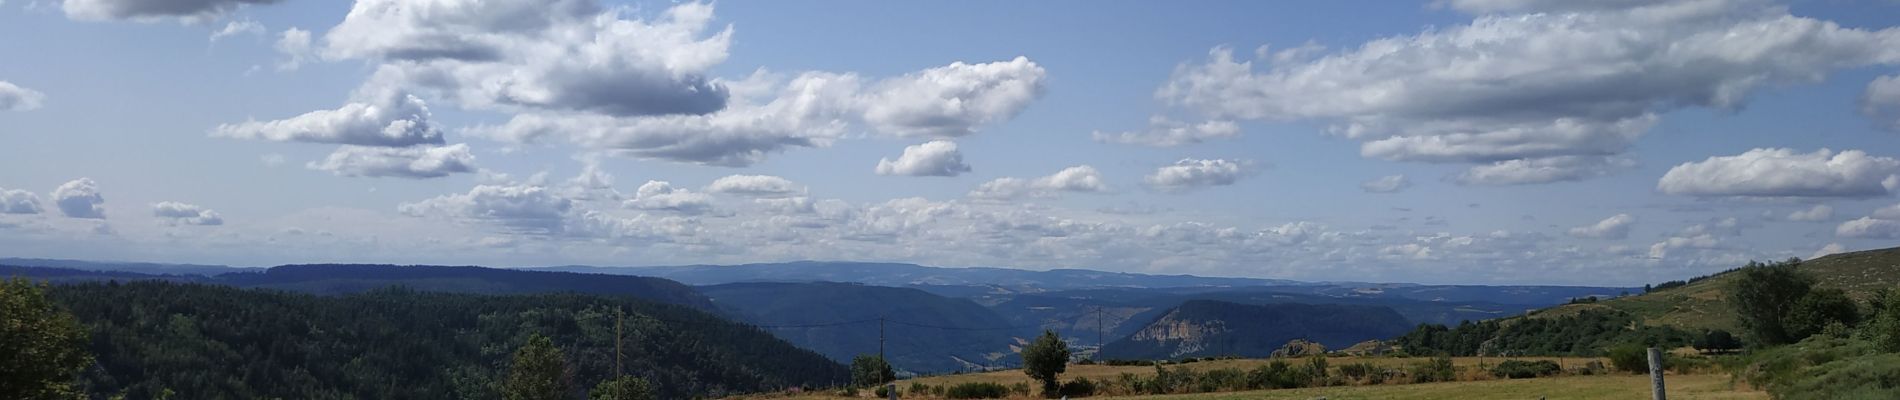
354, 278
202, 341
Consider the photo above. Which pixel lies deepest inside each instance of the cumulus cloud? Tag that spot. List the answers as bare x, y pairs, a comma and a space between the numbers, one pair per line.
234, 28
1882, 102
416, 162
152, 10
1662, 249
15, 201
1081, 178
526, 208
181, 213
769, 113
1828, 250
1540, 170
16, 98
933, 158
1189, 174
1507, 88
390, 120
564, 55
1614, 227
662, 196
1164, 132
80, 198
953, 100
754, 186
1869, 228
1818, 213
295, 45
1386, 184
1785, 173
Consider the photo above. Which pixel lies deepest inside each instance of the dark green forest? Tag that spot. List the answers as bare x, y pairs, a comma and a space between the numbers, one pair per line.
156, 339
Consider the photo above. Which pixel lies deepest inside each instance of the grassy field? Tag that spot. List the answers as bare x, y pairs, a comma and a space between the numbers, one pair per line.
1695, 387
1606, 387
1103, 372
1713, 386
1704, 304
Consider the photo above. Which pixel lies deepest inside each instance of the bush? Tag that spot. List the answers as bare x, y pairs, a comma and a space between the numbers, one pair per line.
1080, 387
1717, 341
882, 392
1357, 371
978, 390
1515, 369
1438, 369
1632, 358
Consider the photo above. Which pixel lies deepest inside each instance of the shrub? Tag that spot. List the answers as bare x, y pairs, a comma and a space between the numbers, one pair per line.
1515, 369
1717, 341
1632, 358
918, 388
978, 390
1080, 387
1357, 371
1438, 369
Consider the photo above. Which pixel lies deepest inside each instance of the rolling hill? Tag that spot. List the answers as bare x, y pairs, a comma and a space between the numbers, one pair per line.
1201, 328
1703, 304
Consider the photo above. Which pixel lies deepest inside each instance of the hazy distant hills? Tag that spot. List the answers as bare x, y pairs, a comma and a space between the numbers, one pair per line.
355, 278
839, 320
895, 274
1201, 328
137, 267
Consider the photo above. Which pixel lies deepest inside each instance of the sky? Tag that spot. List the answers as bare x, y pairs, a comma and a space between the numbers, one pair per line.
1614, 142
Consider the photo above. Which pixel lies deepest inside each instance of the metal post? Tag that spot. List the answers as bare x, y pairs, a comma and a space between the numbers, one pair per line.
618, 316
1656, 373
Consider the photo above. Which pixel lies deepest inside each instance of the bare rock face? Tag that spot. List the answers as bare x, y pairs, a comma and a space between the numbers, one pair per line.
1299, 348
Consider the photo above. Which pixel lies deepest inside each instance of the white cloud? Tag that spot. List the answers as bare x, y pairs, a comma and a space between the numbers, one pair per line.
234, 28
527, 208
295, 45
1189, 174
1785, 173
1829, 249
1888, 212
416, 162
393, 120
809, 110
1818, 213
933, 158
662, 196
15, 201
1661, 249
153, 10
1578, 81
754, 186
80, 198
273, 160
1869, 228
564, 55
1882, 102
1164, 132
181, 213
953, 100
1386, 184
1081, 178
1540, 170
1614, 227
16, 98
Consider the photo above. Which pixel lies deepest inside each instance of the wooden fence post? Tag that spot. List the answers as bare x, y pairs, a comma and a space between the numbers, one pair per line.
1656, 373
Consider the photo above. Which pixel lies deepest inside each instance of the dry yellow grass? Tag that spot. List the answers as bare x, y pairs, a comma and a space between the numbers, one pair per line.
1100, 372
1605, 387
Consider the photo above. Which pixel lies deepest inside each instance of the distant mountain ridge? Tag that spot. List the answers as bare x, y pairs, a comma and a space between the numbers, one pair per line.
900, 274
840, 321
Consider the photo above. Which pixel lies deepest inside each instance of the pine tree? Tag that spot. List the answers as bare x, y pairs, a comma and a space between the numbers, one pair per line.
1045, 360
539, 372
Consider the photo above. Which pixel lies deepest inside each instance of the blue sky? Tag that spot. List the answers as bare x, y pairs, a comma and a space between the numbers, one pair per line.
1618, 142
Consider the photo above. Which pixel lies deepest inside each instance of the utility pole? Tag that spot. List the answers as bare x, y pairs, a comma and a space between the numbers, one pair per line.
619, 317
880, 341
1098, 332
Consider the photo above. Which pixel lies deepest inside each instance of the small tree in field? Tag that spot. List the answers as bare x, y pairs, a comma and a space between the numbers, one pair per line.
539, 372
1045, 360
869, 370
1766, 295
